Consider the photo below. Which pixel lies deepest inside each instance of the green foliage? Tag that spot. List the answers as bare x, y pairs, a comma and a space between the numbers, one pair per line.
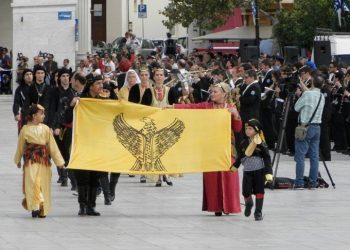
298, 26
209, 14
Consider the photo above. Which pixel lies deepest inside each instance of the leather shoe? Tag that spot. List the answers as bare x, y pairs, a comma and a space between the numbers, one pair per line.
35, 213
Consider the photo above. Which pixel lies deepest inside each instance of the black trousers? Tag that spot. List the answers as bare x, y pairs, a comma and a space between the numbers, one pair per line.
325, 143
339, 134
109, 183
268, 127
87, 178
292, 123
253, 182
62, 172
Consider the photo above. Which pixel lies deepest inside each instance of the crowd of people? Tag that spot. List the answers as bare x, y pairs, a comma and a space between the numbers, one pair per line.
254, 92
5, 71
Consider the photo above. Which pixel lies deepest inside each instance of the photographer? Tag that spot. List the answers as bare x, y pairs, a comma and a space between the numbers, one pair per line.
310, 107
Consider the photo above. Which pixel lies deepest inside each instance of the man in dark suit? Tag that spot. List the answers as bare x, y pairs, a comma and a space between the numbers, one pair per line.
251, 97
50, 65
266, 109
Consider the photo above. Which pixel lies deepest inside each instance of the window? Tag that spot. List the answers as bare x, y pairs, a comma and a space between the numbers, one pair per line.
146, 44
97, 9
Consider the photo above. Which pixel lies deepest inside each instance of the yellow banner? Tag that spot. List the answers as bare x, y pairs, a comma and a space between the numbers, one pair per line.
124, 137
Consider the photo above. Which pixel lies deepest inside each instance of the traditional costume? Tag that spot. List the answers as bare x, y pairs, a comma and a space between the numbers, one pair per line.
220, 189
37, 144
254, 156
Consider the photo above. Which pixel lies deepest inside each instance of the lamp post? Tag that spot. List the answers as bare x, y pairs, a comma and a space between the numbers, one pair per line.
257, 29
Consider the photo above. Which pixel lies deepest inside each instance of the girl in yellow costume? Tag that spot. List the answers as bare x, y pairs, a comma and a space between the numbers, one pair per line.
36, 145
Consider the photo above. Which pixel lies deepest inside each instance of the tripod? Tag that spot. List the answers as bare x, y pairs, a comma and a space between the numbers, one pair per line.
280, 138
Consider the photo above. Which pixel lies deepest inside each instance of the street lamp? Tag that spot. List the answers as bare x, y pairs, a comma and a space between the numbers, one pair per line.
256, 17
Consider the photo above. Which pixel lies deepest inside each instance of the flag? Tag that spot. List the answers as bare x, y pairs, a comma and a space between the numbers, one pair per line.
339, 6
123, 137
252, 2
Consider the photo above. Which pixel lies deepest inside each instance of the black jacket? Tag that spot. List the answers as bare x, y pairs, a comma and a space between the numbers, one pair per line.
134, 95
260, 151
250, 102
60, 101
41, 94
21, 101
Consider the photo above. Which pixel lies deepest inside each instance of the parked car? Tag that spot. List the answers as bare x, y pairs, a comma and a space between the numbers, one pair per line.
146, 46
160, 45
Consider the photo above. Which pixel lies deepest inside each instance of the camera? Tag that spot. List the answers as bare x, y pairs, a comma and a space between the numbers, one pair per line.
291, 81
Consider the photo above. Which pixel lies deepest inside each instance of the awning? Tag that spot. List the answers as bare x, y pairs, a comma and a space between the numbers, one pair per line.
244, 32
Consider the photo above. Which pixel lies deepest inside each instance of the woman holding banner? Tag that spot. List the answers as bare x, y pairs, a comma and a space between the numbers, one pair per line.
220, 189
162, 96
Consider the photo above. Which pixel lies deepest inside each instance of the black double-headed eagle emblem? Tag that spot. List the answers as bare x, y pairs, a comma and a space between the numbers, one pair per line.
148, 144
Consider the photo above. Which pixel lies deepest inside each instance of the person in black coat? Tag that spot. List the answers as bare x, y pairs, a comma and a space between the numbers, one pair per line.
21, 101
60, 99
40, 93
250, 97
266, 108
87, 180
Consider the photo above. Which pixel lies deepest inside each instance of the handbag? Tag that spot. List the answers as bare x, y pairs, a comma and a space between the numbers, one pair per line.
301, 130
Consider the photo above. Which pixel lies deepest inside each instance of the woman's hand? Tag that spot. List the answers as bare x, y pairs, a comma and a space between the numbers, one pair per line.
57, 131
235, 113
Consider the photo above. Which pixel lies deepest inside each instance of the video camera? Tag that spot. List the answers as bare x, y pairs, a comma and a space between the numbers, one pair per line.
291, 81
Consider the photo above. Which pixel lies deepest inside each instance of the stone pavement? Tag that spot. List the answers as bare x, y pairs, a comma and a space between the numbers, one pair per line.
146, 217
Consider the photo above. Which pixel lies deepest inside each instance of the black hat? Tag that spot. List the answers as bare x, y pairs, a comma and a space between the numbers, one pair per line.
91, 78
280, 59
39, 67
255, 124
25, 71
63, 71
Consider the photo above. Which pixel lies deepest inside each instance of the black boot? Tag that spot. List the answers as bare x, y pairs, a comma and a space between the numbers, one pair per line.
248, 206
82, 199
82, 209
105, 188
258, 209
90, 210
107, 199
112, 184
167, 180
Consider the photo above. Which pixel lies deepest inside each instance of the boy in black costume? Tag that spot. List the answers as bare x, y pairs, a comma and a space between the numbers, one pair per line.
254, 156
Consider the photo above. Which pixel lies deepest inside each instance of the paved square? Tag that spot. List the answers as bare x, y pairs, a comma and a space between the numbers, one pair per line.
146, 217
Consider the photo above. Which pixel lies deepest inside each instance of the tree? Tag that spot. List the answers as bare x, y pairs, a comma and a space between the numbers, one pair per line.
209, 14
298, 25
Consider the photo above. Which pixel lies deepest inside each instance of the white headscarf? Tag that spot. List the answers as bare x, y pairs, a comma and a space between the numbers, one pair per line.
138, 80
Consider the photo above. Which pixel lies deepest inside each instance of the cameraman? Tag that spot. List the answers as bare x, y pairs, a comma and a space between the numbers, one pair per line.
306, 106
